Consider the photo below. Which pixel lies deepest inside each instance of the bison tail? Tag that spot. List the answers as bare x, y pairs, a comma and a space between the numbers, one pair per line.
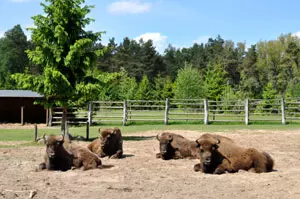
270, 162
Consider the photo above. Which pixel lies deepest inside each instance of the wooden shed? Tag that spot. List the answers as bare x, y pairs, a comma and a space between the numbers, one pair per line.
17, 106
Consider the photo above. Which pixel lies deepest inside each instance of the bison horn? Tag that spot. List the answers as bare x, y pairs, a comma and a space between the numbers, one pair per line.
45, 138
158, 136
218, 141
170, 138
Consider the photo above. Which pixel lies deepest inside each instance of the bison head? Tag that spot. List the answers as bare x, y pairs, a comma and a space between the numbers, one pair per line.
165, 147
53, 145
106, 137
207, 150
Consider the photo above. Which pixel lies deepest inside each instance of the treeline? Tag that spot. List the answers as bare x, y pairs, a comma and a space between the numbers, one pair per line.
218, 69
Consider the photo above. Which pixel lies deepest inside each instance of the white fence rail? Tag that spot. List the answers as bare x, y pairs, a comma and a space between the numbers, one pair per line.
174, 110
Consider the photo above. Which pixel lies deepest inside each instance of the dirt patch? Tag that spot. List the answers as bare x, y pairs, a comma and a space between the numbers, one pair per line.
20, 126
141, 175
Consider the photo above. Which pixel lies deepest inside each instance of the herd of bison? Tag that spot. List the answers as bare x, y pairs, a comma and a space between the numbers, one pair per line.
217, 154
154, 164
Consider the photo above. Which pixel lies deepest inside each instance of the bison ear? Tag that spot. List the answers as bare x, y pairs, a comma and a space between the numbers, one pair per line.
197, 144
170, 137
215, 147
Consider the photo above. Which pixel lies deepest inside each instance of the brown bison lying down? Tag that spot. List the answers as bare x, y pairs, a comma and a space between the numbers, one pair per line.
219, 154
109, 143
173, 146
63, 155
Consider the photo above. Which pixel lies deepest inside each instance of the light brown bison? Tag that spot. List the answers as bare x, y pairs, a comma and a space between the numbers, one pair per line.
219, 154
109, 143
62, 154
173, 146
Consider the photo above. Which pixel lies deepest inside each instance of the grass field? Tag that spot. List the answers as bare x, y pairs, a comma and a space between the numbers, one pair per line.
19, 134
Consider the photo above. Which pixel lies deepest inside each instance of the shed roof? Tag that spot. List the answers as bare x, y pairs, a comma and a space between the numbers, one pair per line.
19, 93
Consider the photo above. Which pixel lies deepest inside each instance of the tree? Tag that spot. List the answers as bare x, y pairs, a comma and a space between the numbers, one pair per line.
127, 86
65, 50
162, 88
188, 84
13, 58
144, 90
215, 81
250, 83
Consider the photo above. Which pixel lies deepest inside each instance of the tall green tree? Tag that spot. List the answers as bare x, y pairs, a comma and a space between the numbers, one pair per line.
162, 88
250, 83
65, 50
13, 58
215, 81
188, 84
127, 86
144, 91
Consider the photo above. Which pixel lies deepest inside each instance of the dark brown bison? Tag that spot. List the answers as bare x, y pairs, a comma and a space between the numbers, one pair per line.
109, 143
173, 146
219, 154
62, 154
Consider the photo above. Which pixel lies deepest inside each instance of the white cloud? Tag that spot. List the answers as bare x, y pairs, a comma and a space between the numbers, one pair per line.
1, 33
159, 40
20, 1
129, 7
202, 39
296, 34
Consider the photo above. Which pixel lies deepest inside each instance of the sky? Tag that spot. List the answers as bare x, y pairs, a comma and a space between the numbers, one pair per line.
177, 22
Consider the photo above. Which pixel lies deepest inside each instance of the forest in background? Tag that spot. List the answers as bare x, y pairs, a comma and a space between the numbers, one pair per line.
217, 70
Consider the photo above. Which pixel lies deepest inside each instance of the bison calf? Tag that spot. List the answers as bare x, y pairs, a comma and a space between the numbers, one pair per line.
62, 155
173, 146
109, 143
219, 154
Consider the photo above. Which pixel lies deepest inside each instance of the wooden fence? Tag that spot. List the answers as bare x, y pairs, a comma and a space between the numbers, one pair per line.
172, 110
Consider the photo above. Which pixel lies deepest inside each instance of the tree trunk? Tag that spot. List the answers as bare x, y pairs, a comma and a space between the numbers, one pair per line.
64, 120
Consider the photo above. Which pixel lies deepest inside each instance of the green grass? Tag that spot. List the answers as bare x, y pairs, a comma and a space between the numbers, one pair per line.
28, 134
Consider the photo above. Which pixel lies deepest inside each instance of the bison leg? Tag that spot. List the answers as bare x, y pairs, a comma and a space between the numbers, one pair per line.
178, 155
197, 167
158, 155
117, 155
219, 170
42, 166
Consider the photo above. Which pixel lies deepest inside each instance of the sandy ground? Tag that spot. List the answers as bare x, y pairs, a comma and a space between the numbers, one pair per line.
141, 175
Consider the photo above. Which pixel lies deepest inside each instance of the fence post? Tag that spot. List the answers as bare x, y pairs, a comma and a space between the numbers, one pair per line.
246, 111
167, 112
205, 102
87, 131
90, 109
22, 115
124, 112
50, 117
282, 111
35, 132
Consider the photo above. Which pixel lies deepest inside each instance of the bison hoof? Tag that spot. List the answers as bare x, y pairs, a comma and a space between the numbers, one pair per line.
197, 167
114, 156
219, 171
42, 166
158, 155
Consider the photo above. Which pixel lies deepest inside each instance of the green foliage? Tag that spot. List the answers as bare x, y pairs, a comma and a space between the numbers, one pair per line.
250, 82
215, 81
293, 90
13, 59
144, 91
269, 96
188, 84
65, 50
162, 88
127, 86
